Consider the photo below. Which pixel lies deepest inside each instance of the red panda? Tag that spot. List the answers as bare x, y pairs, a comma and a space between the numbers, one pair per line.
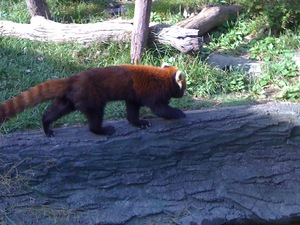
90, 90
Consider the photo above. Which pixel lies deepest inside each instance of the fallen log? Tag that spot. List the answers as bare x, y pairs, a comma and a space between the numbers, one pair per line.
221, 166
40, 29
186, 41
210, 17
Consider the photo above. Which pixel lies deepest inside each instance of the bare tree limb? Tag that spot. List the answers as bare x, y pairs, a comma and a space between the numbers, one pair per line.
184, 40
40, 29
210, 17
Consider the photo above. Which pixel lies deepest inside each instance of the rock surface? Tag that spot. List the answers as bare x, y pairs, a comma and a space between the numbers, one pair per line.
223, 166
223, 62
296, 58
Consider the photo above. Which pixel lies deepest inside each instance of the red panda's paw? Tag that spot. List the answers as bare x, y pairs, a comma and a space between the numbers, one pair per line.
107, 130
174, 114
143, 124
49, 133
179, 115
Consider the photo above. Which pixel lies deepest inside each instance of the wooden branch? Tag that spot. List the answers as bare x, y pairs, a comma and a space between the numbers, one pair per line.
210, 17
184, 40
214, 167
41, 29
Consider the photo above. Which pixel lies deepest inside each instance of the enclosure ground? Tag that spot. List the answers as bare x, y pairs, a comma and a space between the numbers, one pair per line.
214, 167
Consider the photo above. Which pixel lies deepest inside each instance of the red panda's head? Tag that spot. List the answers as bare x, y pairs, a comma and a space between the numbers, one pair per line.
179, 81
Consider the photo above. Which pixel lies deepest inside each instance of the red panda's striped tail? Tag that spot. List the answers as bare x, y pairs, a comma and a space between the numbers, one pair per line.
32, 97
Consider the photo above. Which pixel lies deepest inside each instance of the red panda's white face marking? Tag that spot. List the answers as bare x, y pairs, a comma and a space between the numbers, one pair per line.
179, 77
180, 80
163, 65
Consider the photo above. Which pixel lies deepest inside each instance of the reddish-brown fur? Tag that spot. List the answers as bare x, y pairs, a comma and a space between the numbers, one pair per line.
89, 91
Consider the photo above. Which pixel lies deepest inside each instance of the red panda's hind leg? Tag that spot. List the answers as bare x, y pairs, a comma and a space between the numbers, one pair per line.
133, 112
59, 108
95, 118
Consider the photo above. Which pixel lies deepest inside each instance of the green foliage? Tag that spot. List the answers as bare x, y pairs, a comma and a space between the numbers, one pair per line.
14, 10
291, 92
280, 14
167, 18
78, 11
272, 48
205, 81
176, 6
230, 37
247, 36
68, 11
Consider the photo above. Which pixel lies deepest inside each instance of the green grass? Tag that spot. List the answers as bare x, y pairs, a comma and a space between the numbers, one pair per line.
26, 63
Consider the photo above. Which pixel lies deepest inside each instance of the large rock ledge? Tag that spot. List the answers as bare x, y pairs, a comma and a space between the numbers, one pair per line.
226, 166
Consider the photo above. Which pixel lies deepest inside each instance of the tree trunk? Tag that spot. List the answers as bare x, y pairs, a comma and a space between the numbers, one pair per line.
215, 167
140, 29
210, 17
38, 8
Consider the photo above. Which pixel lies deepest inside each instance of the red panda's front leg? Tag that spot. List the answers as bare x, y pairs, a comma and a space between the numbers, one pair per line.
167, 112
133, 113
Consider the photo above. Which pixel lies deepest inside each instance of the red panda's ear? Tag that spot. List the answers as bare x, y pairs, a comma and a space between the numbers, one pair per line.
163, 65
180, 79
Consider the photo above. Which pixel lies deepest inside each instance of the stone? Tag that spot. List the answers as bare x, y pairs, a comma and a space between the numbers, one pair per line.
296, 58
225, 62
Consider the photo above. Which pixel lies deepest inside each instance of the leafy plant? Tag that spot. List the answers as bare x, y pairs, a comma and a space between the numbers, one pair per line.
280, 14
290, 93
